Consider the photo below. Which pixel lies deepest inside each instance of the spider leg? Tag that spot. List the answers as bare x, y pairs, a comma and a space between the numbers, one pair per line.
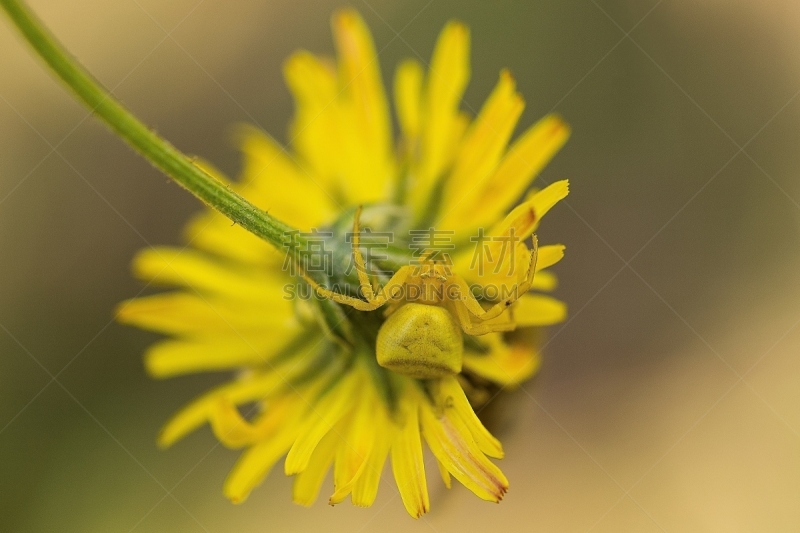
344, 299
361, 270
465, 319
361, 266
518, 290
394, 290
498, 308
388, 292
465, 295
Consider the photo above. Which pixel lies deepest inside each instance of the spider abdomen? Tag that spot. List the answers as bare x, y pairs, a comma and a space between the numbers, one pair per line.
420, 341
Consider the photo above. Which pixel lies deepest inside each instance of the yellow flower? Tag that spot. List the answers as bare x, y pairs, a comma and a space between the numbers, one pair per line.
368, 369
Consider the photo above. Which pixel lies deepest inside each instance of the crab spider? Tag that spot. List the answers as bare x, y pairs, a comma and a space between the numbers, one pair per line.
420, 337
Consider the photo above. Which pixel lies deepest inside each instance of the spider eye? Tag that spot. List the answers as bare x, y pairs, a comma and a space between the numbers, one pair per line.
420, 341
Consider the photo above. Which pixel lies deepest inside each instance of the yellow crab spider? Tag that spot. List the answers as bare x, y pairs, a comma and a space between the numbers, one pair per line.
421, 338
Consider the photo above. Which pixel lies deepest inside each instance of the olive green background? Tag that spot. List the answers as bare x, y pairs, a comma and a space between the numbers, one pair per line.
668, 402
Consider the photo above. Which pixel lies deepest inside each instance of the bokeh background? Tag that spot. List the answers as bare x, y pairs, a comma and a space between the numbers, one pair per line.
670, 400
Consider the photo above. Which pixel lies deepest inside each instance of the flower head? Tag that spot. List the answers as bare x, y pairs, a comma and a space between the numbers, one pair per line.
405, 292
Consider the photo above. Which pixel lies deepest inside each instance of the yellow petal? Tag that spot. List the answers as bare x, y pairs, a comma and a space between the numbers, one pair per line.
407, 96
445, 474
201, 272
447, 78
256, 462
549, 255
365, 112
174, 357
544, 281
544, 200
308, 482
327, 133
311, 80
324, 414
244, 390
453, 397
361, 75
480, 152
353, 456
301, 200
314, 87
182, 313
539, 310
408, 465
524, 160
365, 489
230, 427
234, 431
452, 444
506, 363
524, 219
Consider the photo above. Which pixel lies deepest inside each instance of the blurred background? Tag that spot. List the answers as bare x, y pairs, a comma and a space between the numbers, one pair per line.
670, 400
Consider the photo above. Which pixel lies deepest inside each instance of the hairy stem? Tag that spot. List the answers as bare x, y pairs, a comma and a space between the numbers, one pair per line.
158, 151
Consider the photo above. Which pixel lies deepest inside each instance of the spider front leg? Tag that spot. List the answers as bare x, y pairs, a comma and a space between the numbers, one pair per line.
392, 291
465, 306
465, 319
388, 292
394, 288
355, 303
358, 259
518, 290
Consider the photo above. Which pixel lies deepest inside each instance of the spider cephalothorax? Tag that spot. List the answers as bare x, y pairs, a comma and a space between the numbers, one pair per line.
427, 303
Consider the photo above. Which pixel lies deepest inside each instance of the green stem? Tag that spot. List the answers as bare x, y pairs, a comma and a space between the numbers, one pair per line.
158, 151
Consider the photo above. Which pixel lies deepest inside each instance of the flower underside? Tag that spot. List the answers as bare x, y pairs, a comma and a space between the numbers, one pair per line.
413, 286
